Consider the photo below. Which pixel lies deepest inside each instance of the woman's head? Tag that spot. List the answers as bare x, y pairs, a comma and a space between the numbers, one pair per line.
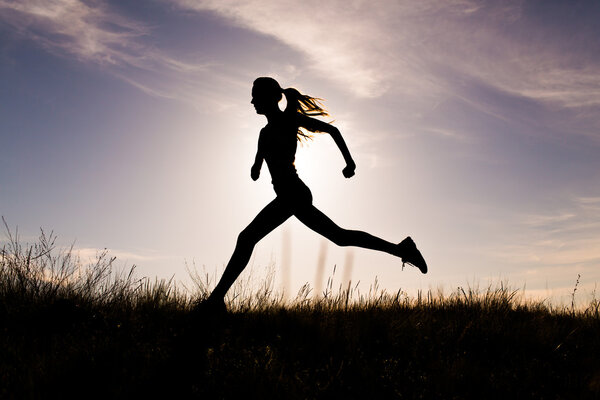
266, 94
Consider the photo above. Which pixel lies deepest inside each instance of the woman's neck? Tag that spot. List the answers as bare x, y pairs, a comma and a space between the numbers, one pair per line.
274, 116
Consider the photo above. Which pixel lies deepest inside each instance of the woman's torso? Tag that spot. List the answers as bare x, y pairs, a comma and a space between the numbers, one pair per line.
278, 143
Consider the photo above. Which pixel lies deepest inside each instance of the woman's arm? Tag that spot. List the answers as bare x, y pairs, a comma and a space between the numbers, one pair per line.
316, 125
258, 160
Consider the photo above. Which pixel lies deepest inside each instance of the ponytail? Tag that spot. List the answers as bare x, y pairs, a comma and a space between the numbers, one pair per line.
297, 103
305, 105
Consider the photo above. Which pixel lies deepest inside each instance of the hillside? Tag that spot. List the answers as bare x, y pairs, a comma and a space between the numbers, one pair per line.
69, 331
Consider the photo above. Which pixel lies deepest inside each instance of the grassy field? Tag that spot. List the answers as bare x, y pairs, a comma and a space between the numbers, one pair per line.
73, 330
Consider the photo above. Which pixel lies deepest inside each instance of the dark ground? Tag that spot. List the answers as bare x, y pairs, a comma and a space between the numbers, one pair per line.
455, 349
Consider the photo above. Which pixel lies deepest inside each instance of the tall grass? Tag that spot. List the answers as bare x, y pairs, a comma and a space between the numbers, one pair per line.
71, 328
42, 274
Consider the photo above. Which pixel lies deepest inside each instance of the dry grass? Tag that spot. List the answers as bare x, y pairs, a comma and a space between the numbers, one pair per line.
68, 327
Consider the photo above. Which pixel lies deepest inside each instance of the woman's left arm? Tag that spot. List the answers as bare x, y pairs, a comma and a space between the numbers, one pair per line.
316, 125
258, 160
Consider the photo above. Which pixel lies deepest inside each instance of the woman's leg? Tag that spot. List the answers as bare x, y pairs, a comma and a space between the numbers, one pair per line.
270, 217
320, 223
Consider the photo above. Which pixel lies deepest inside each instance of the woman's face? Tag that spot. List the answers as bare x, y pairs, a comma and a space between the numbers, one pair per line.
262, 100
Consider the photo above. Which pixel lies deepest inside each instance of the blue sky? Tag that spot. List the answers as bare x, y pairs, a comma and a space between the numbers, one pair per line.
474, 125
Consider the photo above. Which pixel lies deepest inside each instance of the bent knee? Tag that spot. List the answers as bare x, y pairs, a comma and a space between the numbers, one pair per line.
246, 238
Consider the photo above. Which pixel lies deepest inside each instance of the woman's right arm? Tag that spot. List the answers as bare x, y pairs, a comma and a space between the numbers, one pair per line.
316, 125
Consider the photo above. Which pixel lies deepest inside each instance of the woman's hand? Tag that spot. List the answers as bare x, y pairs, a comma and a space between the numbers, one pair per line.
349, 170
255, 172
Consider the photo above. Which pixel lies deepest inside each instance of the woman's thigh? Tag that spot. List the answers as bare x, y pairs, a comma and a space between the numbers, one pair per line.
274, 214
319, 222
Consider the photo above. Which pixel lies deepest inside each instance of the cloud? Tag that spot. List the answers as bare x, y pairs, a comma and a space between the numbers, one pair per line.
91, 254
88, 32
341, 39
429, 49
566, 239
591, 204
544, 221
95, 33
447, 133
424, 51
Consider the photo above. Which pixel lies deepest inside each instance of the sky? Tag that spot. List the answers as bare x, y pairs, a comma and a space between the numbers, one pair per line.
475, 127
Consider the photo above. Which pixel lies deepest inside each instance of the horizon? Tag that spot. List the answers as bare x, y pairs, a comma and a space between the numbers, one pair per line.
474, 126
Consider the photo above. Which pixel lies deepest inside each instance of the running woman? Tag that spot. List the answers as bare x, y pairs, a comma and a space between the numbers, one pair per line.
277, 145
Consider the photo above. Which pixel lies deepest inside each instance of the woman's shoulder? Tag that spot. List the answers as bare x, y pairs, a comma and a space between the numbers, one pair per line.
294, 117
304, 121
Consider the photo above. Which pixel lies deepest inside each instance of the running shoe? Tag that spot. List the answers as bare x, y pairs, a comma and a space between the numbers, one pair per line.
409, 253
210, 307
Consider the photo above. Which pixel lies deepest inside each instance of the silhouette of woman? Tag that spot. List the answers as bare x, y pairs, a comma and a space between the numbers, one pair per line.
277, 146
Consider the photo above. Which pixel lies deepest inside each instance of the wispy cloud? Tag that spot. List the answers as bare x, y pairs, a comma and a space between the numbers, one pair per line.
368, 47
88, 32
431, 48
447, 133
544, 221
426, 50
94, 32
591, 204
565, 239
88, 254
342, 40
